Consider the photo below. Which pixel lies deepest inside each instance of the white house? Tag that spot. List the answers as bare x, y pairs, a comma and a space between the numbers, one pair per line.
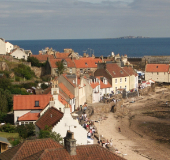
9, 47
68, 123
2, 47
19, 53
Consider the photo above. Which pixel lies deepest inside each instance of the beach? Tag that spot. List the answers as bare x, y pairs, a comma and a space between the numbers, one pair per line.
143, 135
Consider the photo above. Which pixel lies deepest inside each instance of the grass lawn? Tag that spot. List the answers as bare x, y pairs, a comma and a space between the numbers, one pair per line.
7, 135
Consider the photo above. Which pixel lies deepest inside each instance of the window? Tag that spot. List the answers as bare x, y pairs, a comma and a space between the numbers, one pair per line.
85, 63
60, 109
125, 79
157, 73
22, 123
81, 70
115, 88
125, 87
73, 81
115, 80
70, 70
36, 103
164, 73
120, 79
120, 87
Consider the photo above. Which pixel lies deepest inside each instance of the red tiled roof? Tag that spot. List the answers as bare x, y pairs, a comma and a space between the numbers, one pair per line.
130, 71
53, 62
70, 63
157, 68
102, 85
29, 117
50, 118
43, 57
90, 152
65, 90
87, 62
47, 149
94, 85
61, 55
27, 102
30, 147
64, 102
115, 71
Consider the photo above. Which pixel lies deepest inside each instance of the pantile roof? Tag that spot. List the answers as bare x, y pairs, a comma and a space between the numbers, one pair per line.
53, 62
27, 102
50, 118
64, 102
29, 117
102, 85
70, 63
115, 71
130, 71
87, 62
70, 81
43, 57
157, 68
47, 149
94, 85
65, 90
28, 148
61, 55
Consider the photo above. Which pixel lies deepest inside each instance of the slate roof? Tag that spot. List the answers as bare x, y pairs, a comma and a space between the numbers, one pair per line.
47, 149
4, 140
157, 68
69, 80
87, 62
29, 117
27, 102
50, 118
43, 57
115, 71
65, 90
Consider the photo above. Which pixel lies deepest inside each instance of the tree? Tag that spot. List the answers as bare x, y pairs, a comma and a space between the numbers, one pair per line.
26, 131
5, 83
44, 86
60, 67
34, 61
24, 71
47, 133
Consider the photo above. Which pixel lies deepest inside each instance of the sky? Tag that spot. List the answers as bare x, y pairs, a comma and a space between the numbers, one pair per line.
83, 19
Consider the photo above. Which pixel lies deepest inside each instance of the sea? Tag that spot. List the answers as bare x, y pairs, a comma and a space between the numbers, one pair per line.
132, 47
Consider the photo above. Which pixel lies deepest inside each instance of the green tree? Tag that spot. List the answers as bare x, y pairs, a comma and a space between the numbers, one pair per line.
44, 86
60, 67
47, 133
34, 61
5, 83
24, 71
26, 131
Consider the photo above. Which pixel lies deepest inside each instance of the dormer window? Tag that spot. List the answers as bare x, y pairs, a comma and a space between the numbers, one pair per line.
156, 66
95, 63
36, 103
85, 63
121, 72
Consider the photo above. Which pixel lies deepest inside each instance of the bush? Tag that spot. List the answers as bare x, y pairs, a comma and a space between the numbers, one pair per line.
14, 141
17, 78
8, 128
2, 116
26, 131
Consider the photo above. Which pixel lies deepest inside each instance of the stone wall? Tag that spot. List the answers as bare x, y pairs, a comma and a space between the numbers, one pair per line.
39, 71
4, 66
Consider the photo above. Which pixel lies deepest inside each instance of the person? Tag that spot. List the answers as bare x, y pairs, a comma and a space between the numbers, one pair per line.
89, 134
119, 129
81, 107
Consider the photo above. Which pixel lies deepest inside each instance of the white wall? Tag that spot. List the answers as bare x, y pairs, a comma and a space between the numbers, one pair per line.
19, 113
2, 47
9, 47
19, 54
68, 123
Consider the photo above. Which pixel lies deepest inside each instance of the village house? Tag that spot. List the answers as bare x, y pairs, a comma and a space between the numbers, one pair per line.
49, 149
2, 46
43, 57
60, 123
9, 47
157, 72
19, 53
28, 108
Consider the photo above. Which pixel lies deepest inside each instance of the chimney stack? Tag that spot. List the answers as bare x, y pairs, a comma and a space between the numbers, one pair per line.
70, 143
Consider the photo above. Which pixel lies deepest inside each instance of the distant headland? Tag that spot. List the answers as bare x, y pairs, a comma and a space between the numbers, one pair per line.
131, 37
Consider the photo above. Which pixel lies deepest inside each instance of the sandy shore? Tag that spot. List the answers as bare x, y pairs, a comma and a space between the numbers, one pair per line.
109, 129
136, 141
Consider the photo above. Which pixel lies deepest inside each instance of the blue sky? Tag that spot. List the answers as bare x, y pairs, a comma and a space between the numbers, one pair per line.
78, 19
